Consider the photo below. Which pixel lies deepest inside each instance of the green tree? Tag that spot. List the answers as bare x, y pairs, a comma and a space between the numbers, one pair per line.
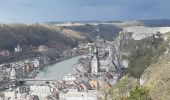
139, 93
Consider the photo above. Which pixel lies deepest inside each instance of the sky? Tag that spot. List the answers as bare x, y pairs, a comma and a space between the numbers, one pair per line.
33, 11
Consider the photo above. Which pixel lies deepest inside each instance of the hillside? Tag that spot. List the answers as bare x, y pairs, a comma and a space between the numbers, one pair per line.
35, 35
60, 37
107, 32
147, 77
156, 78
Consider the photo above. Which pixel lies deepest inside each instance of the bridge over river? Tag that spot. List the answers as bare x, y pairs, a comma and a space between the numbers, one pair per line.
50, 73
56, 71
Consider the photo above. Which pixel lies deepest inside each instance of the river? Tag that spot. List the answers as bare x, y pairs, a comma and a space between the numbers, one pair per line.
57, 70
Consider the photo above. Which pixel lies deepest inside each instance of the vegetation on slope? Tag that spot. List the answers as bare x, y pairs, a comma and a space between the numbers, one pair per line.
53, 36
35, 35
107, 32
120, 90
154, 77
147, 51
139, 93
157, 78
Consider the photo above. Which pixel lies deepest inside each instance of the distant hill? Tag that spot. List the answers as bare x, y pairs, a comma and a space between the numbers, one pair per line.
107, 32
60, 37
35, 35
66, 36
156, 23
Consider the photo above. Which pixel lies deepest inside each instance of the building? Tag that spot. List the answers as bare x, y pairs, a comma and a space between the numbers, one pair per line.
18, 48
36, 63
41, 91
13, 73
140, 32
106, 86
4, 53
69, 78
94, 84
95, 62
74, 94
43, 48
10, 95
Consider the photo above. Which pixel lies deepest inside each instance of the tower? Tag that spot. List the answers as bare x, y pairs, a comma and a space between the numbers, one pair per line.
110, 52
94, 66
13, 73
95, 63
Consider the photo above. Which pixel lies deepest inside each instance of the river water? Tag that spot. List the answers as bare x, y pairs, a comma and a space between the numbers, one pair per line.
58, 70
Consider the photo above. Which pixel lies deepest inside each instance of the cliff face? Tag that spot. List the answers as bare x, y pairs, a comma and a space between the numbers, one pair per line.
156, 78
151, 69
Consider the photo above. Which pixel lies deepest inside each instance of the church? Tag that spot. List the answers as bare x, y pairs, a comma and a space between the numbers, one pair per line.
95, 63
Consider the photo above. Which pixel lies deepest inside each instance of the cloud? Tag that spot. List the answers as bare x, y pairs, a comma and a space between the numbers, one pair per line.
65, 10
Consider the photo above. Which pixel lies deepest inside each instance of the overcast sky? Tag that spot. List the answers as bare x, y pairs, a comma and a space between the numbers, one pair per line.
31, 11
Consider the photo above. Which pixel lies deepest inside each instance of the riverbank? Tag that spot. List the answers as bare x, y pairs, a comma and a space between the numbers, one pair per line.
52, 63
55, 71
62, 59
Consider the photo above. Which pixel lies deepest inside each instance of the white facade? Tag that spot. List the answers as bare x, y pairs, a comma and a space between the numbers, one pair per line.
13, 73
104, 65
43, 48
143, 32
40, 91
10, 94
94, 66
125, 63
69, 77
36, 63
18, 48
140, 29
75, 95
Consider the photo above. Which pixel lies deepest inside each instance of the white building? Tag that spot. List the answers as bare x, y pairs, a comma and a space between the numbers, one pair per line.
43, 48
73, 94
104, 65
36, 63
141, 32
13, 73
94, 66
69, 77
10, 94
18, 48
40, 91
125, 63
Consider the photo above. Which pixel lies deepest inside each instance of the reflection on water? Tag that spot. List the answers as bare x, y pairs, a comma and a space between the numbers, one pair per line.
58, 70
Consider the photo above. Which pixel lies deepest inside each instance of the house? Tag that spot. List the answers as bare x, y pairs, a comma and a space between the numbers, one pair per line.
41, 91
4, 53
74, 94
94, 84
18, 48
43, 48
69, 78
106, 86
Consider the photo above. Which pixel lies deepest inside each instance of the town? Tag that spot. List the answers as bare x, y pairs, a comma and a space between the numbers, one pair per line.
100, 67
84, 50
98, 70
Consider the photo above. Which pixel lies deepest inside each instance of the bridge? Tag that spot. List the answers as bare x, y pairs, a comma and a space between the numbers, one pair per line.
3, 86
36, 80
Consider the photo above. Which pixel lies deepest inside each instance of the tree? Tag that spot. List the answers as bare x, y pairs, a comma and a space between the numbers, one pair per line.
139, 93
